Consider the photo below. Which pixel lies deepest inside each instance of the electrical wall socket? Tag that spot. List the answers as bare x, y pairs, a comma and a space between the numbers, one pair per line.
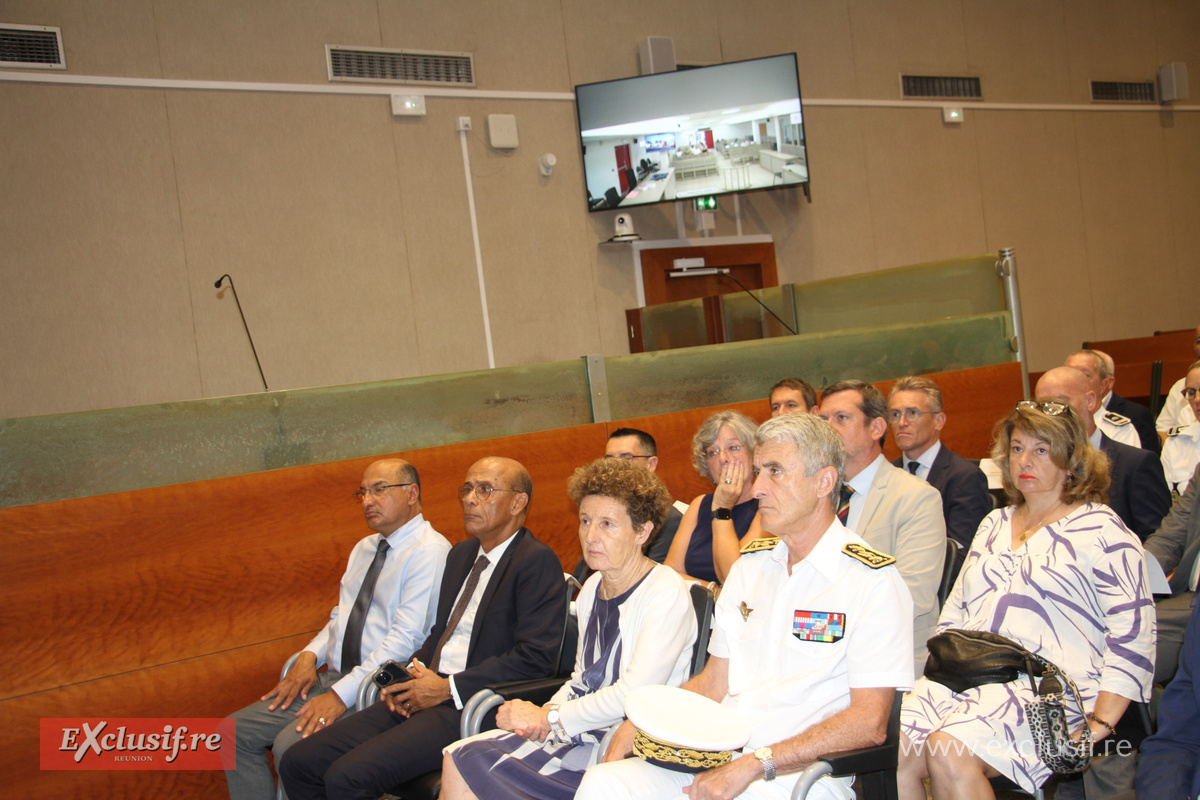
463, 124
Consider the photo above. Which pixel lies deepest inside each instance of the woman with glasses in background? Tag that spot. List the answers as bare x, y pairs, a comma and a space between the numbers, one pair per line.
1057, 572
1181, 449
716, 525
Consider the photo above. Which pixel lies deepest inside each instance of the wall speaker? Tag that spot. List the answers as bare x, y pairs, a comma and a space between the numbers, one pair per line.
1172, 82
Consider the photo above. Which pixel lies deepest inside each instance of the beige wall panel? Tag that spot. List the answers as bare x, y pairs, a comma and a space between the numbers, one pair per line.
1123, 175
447, 323
923, 185
1109, 40
517, 44
1180, 308
915, 37
842, 227
537, 257
1019, 49
259, 40
818, 33
1176, 23
602, 38
95, 311
296, 197
100, 37
1029, 179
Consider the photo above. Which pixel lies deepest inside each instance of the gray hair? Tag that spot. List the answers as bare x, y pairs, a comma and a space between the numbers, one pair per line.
742, 426
816, 443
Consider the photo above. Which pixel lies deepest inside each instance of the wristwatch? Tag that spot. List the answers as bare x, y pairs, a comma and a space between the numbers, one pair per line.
555, 720
767, 759
722, 513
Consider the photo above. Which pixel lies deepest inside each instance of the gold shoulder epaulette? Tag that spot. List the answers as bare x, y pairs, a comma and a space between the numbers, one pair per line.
755, 545
872, 558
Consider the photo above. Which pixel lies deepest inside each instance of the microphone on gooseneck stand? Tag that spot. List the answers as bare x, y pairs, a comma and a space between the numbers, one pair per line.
217, 285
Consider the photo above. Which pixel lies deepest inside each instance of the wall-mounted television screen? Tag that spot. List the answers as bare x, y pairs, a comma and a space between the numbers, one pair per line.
675, 135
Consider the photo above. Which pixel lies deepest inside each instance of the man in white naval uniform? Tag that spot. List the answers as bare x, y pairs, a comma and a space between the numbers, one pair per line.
811, 638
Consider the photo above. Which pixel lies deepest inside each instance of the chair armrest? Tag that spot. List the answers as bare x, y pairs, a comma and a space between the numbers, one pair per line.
287, 665
864, 759
368, 691
538, 692
811, 774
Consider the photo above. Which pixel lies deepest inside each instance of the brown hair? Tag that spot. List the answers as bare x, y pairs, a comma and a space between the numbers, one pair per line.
640, 491
1087, 467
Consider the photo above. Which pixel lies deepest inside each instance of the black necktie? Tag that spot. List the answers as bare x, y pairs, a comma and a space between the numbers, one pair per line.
912, 466
460, 608
352, 641
843, 510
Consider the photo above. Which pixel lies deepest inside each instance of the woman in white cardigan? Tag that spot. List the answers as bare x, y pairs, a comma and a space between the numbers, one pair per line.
636, 627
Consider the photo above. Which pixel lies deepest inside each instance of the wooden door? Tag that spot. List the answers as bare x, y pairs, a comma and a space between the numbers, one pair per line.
622, 154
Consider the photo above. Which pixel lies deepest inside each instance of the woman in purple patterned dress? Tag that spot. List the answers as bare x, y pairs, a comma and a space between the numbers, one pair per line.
1058, 572
636, 628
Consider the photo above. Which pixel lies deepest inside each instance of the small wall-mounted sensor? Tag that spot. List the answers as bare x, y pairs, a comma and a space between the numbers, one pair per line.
546, 163
408, 105
952, 115
502, 131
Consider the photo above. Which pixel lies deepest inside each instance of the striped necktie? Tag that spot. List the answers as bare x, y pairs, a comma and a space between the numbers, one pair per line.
843, 510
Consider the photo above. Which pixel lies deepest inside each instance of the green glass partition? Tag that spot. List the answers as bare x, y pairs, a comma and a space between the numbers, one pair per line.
74, 455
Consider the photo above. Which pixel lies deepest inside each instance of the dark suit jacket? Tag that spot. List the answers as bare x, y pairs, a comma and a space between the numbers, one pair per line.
521, 614
965, 497
1176, 544
1138, 492
1143, 423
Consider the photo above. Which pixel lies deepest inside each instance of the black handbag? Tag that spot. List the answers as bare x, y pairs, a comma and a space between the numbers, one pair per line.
961, 660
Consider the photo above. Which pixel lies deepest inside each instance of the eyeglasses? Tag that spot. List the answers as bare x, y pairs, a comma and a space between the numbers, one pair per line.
624, 456
1189, 393
482, 491
376, 491
909, 415
715, 452
1052, 408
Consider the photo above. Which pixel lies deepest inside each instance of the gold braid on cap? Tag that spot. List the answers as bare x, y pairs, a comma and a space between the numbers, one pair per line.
648, 748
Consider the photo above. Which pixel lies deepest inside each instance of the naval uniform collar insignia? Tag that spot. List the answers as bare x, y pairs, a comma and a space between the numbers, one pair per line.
757, 545
745, 609
869, 556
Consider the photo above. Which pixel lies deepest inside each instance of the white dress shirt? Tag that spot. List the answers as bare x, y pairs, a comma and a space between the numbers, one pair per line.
402, 608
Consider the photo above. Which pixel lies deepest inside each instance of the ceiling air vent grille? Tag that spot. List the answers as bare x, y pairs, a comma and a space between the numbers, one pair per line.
400, 66
1122, 92
31, 47
957, 88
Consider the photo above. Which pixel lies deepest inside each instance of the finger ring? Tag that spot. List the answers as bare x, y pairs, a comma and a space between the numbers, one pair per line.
321, 720
729, 480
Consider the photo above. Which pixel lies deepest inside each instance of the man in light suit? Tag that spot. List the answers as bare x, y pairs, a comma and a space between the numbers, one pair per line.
503, 591
893, 511
1176, 545
1138, 492
917, 419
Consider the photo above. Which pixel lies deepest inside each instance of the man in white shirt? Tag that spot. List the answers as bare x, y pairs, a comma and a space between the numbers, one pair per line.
501, 612
811, 638
1175, 410
895, 512
387, 600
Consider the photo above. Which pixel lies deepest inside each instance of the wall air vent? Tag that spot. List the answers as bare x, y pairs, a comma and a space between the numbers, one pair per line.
31, 47
374, 65
946, 87
1122, 92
